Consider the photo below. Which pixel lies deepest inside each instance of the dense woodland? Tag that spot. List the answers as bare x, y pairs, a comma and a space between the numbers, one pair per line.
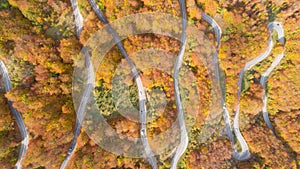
39, 46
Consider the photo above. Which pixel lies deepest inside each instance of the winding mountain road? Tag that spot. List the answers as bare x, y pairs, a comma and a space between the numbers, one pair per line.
218, 33
83, 103
86, 94
226, 116
273, 26
141, 90
245, 153
17, 116
280, 31
183, 134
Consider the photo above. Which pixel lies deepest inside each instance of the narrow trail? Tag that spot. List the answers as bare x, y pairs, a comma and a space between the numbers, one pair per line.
17, 116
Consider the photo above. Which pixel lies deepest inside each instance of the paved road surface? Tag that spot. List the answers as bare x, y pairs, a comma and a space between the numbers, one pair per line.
17, 116
183, 134
141, 90
82, 106
244, 154
280, 31
273, 26
86, 94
